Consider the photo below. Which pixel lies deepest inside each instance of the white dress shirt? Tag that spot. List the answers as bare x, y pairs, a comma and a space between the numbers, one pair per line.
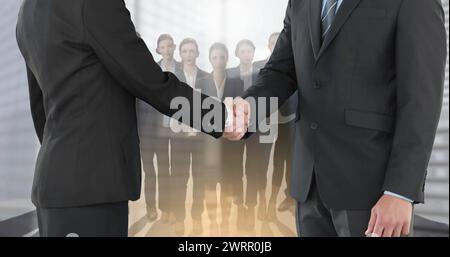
170, 68
191, 78
220, 88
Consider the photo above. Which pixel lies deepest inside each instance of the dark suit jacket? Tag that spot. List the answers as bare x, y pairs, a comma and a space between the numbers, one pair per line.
370, 96
234, 87
236, 74
236, 71
153, 126
86, 67
259, 65
201, 74
177, 66
290, 106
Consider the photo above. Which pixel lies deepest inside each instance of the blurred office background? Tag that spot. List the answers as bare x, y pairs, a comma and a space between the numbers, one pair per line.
208, 21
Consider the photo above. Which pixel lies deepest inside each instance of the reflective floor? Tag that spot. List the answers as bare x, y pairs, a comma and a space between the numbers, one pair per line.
283, 225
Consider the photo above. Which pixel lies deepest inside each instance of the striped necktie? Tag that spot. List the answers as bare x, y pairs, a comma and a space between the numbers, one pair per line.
328, 16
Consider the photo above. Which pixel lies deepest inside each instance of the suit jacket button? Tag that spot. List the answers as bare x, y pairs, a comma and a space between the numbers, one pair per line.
314, 126
316, 86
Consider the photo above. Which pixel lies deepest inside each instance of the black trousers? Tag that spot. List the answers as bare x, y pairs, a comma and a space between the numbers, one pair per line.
200, 176
149, 148
105, 220
256, 166
181, 148
315, 219
282, 154
232, 170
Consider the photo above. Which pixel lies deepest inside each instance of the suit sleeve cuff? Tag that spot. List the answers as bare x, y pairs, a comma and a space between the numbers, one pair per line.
398, 196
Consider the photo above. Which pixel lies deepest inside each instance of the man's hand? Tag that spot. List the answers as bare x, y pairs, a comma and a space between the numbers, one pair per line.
391, 217
240, 119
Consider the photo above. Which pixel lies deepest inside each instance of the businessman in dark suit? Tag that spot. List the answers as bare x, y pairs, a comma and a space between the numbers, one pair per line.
86, 67
370, 78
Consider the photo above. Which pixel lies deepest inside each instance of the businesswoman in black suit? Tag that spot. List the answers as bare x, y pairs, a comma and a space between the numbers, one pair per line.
220, 85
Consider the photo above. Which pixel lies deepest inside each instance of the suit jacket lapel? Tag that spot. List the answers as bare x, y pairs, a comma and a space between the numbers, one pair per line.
228, 90
212, 87
314, 13
342, 15
200, 76
197, 79
182, 77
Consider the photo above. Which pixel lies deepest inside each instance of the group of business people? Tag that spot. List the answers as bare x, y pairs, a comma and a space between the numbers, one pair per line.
189, 148
369, 76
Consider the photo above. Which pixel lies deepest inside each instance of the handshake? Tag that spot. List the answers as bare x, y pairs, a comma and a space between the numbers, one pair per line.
238, 118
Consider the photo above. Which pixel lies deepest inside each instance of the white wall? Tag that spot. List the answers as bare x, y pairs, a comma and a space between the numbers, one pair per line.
255, 20
209, 21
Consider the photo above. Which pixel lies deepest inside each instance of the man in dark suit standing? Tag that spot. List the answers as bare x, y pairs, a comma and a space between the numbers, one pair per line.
86, 67
185, 142
370, 77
